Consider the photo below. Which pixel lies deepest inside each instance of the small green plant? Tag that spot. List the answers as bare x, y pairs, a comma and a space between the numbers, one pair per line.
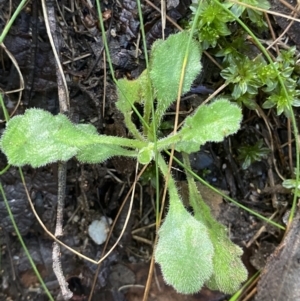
252, 153
246, 74
192, 250
214, 22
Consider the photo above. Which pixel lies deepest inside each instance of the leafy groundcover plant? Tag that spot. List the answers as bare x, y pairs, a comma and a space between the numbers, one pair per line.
192, 250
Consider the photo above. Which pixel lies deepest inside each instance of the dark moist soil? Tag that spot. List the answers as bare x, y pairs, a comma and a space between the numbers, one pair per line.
99, 190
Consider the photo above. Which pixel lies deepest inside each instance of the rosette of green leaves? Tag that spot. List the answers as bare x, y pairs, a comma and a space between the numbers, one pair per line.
187, 250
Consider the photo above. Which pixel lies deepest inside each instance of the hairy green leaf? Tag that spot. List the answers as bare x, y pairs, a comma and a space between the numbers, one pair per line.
166, 66
131, 92
34, 138
210, 123
137, 91
184, 251
38, 138
228, 269
97, 153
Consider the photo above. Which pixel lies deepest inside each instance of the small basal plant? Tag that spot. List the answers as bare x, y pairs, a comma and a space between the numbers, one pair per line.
214, 22
249, 154
193, 249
